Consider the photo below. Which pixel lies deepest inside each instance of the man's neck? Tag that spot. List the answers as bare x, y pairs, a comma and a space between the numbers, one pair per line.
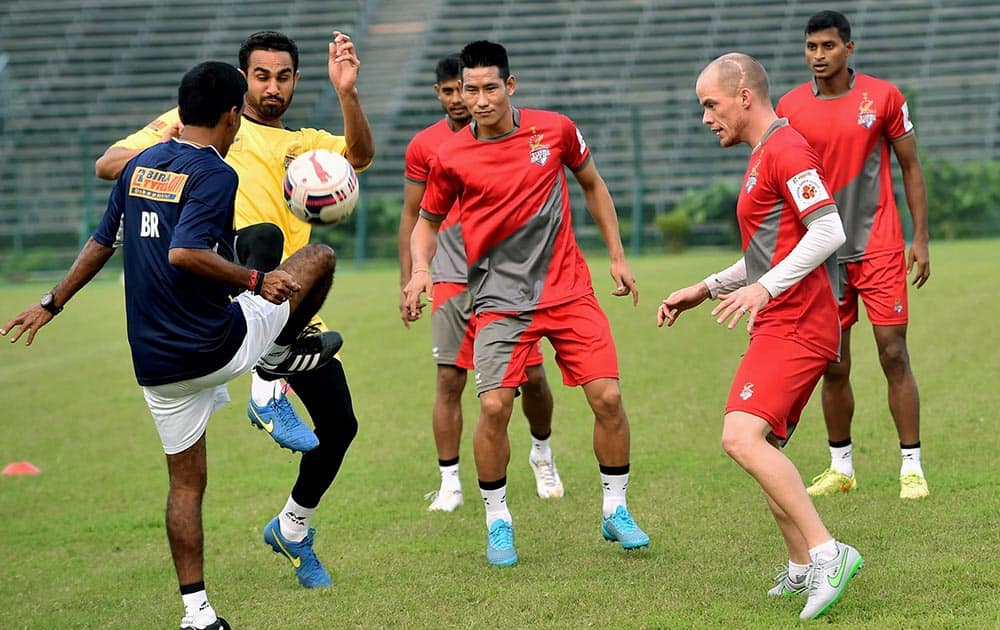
836, 85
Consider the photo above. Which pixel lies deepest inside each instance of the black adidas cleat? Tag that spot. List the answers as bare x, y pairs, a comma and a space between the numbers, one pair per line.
306, 353
218, 624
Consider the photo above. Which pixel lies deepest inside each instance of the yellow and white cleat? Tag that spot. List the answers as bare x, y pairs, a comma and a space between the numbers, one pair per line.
913, 486
830, 482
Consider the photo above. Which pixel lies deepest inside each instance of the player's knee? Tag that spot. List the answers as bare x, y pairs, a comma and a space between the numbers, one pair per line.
451, 382
894, 357
535, 384
837, 373
735, 445
607, 403
494, 410
260, 246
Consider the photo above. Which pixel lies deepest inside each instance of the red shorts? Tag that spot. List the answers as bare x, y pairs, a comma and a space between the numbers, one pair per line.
579, 332
453, 328
881, 283
774, 382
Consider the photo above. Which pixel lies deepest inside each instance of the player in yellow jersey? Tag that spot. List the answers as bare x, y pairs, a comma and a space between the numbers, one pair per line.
266, 234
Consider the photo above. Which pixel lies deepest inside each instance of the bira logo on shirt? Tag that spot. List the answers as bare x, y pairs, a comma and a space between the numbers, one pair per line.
807, 189
866, 111
539, 152
156, 185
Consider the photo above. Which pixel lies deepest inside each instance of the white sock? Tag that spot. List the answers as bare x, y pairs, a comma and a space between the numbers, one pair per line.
823, 552
496, 505
614, 492
262, 391
294, 520
797, 572
841, 460
911, 462
449, 479
540, 449
197, 607
275, 355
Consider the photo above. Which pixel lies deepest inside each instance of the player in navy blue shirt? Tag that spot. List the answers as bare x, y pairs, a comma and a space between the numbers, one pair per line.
188, 338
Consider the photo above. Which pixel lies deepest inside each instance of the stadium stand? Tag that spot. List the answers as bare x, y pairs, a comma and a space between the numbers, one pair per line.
76, 76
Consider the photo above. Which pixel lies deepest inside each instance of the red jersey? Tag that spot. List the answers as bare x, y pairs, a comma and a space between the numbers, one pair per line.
783, 185
852, 134
449, 260
515, 211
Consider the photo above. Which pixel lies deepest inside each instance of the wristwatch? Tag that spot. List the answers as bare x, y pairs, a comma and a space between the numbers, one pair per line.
48, 302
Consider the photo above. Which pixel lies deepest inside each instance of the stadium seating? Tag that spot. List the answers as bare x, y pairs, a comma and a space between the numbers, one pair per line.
79, 75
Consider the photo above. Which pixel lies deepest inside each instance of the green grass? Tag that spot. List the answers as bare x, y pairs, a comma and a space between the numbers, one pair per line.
83, 545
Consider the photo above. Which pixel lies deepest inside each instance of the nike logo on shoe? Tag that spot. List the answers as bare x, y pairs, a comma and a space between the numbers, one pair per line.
267, 426
835, 579
295, 560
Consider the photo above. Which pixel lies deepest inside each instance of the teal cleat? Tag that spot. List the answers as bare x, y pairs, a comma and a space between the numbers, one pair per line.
308, 568
500, 550
279, 420
621, 527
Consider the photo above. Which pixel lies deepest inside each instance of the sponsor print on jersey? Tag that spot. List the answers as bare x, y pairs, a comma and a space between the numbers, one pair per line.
583, 144
752, 178
150, 183
807, 189
747, 391
866, 111
539, 153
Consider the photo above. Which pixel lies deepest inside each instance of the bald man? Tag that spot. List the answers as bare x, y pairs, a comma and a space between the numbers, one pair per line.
789, 227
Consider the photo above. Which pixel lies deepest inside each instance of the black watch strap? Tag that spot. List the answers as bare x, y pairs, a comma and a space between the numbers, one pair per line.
48, 302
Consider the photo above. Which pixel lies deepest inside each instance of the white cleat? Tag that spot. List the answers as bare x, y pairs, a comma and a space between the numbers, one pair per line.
547, 481
828, 580
444, 500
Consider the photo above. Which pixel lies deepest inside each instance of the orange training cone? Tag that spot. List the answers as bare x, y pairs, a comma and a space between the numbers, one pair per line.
21, 468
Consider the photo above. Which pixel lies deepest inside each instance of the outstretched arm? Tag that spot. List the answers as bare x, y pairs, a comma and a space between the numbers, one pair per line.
89, 261
602, 208
343, 67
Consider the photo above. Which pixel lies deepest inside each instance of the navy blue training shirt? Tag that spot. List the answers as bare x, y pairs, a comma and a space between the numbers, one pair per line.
180, 325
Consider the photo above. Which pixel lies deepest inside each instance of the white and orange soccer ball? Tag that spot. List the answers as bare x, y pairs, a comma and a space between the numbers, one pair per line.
321, 187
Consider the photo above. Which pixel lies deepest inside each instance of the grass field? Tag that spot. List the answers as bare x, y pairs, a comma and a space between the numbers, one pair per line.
83, 544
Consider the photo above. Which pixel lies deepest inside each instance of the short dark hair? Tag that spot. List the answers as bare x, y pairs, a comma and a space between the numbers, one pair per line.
208, 91
830, 19
484, 54
448, 68
268, 40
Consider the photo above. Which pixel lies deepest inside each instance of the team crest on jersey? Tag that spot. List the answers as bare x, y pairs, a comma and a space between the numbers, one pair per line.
539, 153
807, 189
866, 111
752, 178
898, 306
150, 183
747, 391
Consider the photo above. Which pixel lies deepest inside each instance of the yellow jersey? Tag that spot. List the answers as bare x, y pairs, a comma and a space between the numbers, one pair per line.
260, 154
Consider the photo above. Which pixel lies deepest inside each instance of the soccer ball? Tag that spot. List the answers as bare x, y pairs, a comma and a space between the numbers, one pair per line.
321, 187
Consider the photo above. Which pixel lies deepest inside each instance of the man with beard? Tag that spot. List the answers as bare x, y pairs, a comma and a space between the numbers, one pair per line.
267, 233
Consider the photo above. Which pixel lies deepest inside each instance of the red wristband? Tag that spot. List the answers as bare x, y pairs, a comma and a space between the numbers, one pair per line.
256, 281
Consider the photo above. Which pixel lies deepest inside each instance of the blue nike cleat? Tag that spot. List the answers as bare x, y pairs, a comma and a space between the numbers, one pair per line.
621, 527
500, 550
279, 419
308, 568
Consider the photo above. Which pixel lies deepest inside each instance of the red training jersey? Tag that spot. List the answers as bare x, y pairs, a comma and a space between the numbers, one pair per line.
783, 185
449, 260
515, 211
852, 133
